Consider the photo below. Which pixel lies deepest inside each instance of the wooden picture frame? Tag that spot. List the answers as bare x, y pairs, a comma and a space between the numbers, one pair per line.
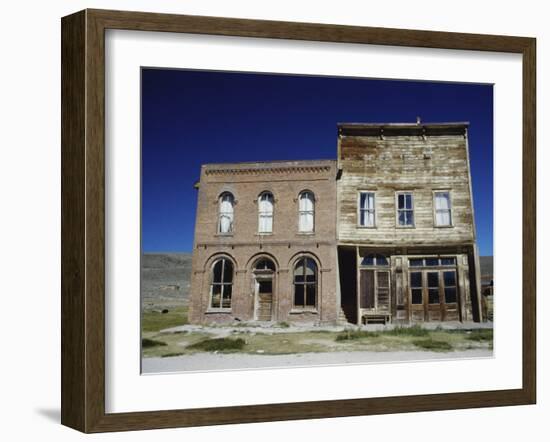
83, 220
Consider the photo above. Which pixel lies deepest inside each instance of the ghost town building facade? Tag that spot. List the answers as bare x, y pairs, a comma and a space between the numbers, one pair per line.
385, 233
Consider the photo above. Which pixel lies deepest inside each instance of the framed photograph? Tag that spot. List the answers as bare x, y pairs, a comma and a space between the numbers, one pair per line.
268, 221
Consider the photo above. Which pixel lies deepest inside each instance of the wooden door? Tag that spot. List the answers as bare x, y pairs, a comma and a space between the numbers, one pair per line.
417, 304
264, 299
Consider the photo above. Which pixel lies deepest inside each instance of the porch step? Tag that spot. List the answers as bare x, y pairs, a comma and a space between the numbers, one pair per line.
342, 317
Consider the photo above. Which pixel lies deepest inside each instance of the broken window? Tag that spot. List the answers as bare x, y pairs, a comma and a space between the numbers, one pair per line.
374, 260
306, 208
366, 209
416, 287
222, 284
442, 205
226, 206
265, 213
265, 264
405, 211
305, 283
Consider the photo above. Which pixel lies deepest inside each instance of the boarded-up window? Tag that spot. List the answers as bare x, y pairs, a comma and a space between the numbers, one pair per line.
383, 290
367, 289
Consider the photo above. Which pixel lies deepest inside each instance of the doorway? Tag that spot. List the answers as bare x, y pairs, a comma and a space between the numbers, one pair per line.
264, 281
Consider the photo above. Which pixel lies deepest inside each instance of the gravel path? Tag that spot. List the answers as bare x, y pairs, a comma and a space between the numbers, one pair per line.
213, 362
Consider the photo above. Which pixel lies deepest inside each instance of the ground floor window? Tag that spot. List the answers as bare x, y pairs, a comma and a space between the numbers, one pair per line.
305, 283
222, 284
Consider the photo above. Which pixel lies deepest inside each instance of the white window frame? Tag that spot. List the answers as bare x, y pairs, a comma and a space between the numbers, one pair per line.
221, 284
360, 209
397, 210
450, 209
220, 214
304, 212
265, 214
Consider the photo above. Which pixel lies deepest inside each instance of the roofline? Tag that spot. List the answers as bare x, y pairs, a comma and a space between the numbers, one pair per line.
402, 125
269, 163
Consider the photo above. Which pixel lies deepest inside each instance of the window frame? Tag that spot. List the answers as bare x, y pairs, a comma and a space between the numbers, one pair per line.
220, 213
360, 209
450, 209
270, 232
397, 210
300, 212
222, 284
305, 307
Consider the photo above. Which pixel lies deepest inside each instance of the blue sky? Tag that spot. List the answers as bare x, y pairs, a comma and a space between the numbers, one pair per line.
194, 117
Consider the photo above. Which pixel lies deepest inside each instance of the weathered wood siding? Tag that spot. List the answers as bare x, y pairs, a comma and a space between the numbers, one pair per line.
411, 163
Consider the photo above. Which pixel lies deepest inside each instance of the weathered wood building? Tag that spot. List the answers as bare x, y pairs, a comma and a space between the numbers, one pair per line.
385, 233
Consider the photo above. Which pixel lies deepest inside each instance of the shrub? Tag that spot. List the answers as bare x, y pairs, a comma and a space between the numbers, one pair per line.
218, 344
481, 335
415, 330
283, 324
148, 343
433, 345
350, 335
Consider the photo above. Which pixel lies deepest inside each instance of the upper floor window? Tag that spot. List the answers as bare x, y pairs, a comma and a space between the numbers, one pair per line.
306, 208
265, 213
442, 207
222, 284
226, 209
366, 209
405, 209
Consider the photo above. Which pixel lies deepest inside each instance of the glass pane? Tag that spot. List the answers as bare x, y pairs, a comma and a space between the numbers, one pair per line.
228, 271
402, 219
310, 295
370, 200
416, 262
362, 218
368, 260
448, 261
409, 218
216, 295
226, 300
299, 295
432, 261
416, 296
226, 223
363, 200
306, 201
217, 272
433, 279
449, 278
408, 201
265, 287
311, 267
299, 268
265, 224
381, 260
443, 218
442, 200
416, 279
433, 296
265, 264
370, 218
450, 295
401, 201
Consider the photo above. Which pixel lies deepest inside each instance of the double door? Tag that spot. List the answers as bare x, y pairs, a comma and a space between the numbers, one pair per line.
434, 295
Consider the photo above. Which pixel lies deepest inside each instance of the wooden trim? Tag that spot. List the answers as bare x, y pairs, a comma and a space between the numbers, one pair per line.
83, 220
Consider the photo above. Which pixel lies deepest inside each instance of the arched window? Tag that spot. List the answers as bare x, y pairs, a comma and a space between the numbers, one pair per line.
305, 283
265, 213
226, 208
264, 264
375, 260
222, 284
306, 208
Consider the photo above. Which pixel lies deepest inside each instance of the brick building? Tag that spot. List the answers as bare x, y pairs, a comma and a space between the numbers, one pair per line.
385, 233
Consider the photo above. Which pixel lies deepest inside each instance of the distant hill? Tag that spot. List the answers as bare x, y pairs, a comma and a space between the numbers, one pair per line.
165, 279
486, 264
